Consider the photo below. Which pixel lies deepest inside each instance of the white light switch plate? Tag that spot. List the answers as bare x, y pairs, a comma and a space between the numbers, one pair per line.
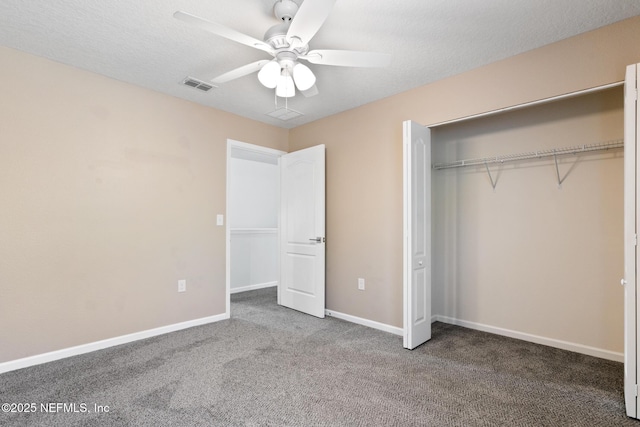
220, 219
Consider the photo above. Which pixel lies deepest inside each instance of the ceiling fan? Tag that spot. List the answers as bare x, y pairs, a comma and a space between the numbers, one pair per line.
288, 42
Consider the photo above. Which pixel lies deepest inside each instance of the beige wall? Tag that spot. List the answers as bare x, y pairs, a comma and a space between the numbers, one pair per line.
364, 162
108, 196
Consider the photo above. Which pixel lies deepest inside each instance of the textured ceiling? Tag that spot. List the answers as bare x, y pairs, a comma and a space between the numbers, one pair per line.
141, 43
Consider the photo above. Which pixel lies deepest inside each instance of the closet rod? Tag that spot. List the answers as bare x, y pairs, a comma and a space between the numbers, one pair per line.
608, 145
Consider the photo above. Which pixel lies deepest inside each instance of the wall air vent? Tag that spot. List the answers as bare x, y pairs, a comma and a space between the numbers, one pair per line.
197, 84
283, 113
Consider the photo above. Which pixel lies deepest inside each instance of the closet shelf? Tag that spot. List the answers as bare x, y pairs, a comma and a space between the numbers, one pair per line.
485, 161
254, 230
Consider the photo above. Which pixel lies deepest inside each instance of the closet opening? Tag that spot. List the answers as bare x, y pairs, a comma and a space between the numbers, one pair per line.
534, 245
533, 248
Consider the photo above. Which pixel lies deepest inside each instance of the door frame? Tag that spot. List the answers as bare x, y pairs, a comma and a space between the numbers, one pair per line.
234, 148
406, 267
631, 221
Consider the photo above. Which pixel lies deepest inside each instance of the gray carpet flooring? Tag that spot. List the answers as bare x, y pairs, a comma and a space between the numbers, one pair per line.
272, 366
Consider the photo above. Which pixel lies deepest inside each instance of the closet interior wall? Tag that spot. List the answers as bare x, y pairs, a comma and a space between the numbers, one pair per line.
528, 256
253, 220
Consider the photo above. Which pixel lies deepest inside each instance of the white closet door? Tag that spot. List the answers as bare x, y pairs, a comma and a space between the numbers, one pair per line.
417, 235
631, 326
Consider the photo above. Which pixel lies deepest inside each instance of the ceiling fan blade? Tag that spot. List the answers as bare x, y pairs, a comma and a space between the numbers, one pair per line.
309, 18
348, 58
240, 72
312, 91
222, 31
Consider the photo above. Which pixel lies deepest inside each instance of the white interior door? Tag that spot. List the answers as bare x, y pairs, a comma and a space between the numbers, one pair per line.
417, 234
302, 230
631, 325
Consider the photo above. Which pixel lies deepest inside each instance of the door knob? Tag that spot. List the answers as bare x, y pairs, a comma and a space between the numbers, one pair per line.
623, 282
318, 239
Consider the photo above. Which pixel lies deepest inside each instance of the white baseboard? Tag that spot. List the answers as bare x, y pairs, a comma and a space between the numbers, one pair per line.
365, 322
253, 287
38, 359
99, 345
551, 342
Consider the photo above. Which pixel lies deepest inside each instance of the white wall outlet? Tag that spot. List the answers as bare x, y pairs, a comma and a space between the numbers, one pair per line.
361, 284
182, 285
219, 219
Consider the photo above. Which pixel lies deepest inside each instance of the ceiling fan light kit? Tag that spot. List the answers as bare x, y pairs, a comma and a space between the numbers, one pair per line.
285, 87
288, 42
269, 73
303, 76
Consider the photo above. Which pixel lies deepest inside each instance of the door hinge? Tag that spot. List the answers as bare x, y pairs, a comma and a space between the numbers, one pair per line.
635, 390
635, 240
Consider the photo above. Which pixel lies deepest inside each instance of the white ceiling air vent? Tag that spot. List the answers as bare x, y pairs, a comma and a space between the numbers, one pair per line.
283, 113
197, 84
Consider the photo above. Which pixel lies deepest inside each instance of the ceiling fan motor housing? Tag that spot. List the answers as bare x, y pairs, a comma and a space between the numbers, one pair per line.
276, 36
285, 10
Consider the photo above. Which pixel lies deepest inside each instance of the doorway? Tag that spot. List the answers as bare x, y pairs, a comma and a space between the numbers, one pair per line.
253, 188
275, 230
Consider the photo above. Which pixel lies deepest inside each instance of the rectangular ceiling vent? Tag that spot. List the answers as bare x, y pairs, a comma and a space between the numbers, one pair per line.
283, 113
197, 84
